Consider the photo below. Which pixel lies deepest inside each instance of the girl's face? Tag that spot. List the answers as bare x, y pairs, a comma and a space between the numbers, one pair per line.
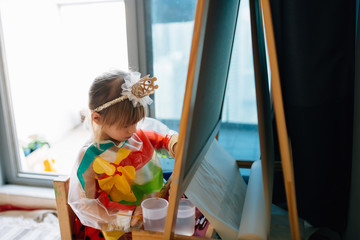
120, 134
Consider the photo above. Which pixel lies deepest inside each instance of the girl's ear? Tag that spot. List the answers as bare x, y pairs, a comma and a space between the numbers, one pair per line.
96, 117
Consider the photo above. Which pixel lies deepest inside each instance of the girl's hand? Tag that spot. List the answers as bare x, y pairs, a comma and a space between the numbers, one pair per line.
137, 215
174, 148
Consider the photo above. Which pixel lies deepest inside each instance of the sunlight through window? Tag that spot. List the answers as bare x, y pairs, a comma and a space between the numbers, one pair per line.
53, 50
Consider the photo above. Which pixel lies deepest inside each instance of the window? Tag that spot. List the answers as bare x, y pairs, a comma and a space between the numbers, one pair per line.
172, 25
52, 50
171, 40
239, 131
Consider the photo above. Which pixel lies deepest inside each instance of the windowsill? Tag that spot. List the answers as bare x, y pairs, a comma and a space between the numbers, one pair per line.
27, 196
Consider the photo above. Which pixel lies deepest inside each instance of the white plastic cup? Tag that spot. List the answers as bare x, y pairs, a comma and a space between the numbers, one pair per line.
185, 221
154, 214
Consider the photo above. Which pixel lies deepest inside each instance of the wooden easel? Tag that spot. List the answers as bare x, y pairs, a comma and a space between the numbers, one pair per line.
185, 170
260, 13
285, 147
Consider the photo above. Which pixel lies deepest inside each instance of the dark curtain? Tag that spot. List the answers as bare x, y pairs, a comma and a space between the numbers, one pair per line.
315, 43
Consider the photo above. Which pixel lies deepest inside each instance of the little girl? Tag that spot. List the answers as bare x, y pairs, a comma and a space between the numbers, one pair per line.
119, 168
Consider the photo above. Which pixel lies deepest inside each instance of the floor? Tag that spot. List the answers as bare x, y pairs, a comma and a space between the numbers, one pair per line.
65, 151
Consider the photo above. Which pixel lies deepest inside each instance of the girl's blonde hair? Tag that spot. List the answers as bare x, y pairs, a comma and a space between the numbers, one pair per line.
105, 88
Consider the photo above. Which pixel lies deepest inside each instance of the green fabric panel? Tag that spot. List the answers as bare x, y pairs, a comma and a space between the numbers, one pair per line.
140, 191
88, 158
154, 185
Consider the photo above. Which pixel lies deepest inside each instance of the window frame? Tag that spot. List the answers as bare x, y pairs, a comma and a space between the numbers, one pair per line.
139, 39
10, 169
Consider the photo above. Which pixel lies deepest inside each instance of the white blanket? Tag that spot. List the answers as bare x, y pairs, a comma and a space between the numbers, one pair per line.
29, 225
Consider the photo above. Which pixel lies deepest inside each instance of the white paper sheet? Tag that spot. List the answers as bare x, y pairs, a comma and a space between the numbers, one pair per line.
253, 224
221, 194
218, 190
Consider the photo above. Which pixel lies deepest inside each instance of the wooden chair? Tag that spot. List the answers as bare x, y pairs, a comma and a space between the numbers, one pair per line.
65, 214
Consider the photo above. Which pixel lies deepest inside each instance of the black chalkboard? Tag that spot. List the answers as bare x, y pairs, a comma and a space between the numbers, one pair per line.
210, 78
